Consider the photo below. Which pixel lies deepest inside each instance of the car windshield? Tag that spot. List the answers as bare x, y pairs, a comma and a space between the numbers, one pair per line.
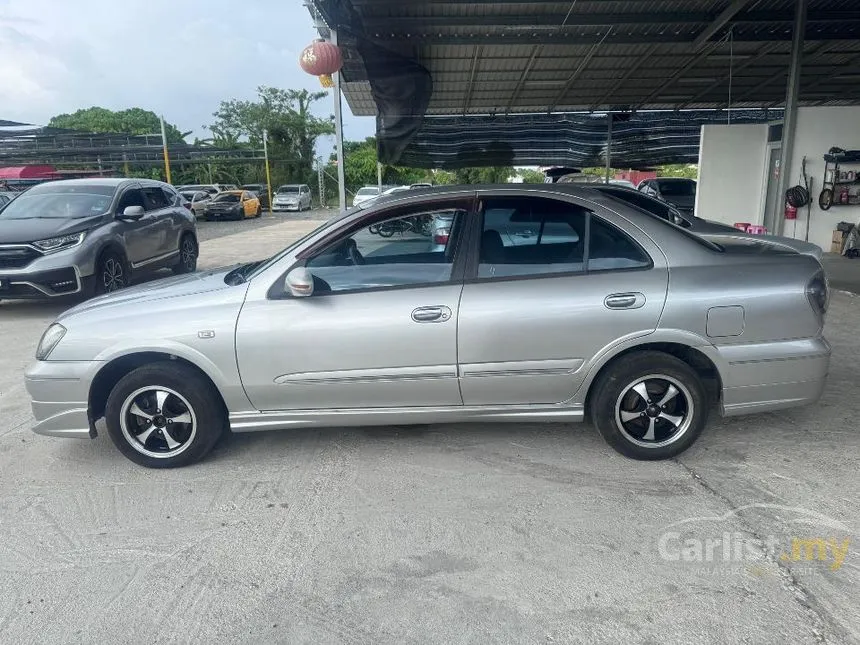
677, 188
60, 201
226, 198
288, 190
367, 191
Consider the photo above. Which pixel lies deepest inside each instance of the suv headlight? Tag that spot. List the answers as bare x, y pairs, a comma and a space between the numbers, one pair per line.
50, 339
59, 243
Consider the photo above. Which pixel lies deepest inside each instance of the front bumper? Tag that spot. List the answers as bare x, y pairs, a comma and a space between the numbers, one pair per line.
232, 214
60, 392
30, 284
285, 207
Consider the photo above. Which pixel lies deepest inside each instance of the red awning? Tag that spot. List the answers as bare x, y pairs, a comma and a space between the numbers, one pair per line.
28, 172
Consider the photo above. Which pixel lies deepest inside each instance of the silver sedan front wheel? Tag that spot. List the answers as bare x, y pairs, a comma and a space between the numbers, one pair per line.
158, 422
165, 414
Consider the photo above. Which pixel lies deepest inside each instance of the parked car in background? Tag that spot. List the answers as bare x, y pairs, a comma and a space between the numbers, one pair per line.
212, 189
260, 190
678, 191
92, 236
711, 230
292, 197
5, 198
344, 327
197, 200
233, 205
622, 182
365, 193
421, 185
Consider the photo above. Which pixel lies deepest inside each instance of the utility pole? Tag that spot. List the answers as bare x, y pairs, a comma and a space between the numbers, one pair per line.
268, 172
164, 149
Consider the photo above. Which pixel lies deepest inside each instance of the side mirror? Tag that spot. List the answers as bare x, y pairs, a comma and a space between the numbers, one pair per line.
132, 213
299, 282
680, 221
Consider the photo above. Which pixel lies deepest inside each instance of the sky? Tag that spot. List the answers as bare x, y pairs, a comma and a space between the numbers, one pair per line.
178, 58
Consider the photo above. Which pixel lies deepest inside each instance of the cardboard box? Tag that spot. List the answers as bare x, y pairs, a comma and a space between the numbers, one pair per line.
838, 237
836, 247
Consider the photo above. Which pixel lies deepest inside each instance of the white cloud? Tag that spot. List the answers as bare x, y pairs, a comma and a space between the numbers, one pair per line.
176, 57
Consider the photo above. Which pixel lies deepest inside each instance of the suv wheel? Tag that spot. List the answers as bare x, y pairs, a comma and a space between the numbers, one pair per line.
164, 415
111, 273
649, 405
188, 252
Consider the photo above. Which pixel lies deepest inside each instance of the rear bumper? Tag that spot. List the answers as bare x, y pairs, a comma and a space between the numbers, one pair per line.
60, 391
763, 377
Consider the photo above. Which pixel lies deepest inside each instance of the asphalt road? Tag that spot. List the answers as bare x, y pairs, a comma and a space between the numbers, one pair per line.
492, 533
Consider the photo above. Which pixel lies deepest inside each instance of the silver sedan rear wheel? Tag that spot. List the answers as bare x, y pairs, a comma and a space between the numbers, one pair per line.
654, 410
649, 405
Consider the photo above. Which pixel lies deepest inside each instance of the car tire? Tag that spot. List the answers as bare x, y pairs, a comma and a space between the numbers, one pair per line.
188, 253
112, 273
649, 405
165, 415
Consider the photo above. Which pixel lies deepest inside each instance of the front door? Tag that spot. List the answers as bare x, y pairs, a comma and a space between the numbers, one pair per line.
535, 314
771, 202
379, 331
140, 236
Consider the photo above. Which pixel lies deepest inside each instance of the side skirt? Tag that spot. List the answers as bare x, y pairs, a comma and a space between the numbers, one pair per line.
256, 421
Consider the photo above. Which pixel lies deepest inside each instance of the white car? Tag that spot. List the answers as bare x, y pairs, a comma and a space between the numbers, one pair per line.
365, 193
292, 197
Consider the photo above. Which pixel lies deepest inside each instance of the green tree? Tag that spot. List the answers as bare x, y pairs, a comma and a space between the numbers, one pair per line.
360, 167
286, 115
488, 175
531, 176
131, 121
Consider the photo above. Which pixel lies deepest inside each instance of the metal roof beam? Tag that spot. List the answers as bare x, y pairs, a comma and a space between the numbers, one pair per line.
474, 71
521, 82
630, 72
725, 16
527, 21
817, 53
690, 64
765, 50
847, 31
580, 68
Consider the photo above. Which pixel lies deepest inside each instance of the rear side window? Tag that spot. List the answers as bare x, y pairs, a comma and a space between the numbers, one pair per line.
155, 198
526, 236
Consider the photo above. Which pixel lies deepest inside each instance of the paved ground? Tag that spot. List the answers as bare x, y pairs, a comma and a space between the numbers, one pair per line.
213, 230
448, 534
844, 273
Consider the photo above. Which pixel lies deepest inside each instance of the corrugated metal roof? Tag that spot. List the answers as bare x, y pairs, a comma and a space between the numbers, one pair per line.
499, 56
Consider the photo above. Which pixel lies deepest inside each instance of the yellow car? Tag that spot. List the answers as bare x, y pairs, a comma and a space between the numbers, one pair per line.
233, 204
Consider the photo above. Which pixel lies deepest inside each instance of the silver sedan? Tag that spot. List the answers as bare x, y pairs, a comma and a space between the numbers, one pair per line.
553, 303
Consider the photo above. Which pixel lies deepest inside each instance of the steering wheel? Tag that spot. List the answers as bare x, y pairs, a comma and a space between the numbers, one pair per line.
353, 254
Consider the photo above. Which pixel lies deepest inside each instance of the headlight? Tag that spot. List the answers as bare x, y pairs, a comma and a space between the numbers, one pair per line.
59, 243
50, 339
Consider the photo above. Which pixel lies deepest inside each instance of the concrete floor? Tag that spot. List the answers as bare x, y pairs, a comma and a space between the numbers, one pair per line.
446, 534
844, 273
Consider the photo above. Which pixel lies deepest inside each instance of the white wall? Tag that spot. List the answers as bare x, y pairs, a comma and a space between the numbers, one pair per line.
732, 169
819, 129
731, 173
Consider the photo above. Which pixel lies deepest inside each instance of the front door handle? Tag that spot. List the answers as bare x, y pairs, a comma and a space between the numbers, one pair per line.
437, 313
633, 300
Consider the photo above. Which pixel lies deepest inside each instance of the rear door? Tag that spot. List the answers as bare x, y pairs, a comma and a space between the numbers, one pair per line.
532, 316
159, 211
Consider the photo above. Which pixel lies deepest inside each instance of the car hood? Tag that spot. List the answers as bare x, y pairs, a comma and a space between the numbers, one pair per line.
23, 231
175, 287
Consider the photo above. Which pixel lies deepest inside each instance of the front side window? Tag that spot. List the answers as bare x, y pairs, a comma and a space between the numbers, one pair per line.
132, 197
406, 250
527, 236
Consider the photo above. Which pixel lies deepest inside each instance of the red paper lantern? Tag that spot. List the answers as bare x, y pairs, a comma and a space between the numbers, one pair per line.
321, 57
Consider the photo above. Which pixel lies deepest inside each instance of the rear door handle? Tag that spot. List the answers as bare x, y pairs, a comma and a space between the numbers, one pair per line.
633, 300
437, 313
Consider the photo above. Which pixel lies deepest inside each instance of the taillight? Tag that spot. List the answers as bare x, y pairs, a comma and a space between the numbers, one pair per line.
441, 236
818, 292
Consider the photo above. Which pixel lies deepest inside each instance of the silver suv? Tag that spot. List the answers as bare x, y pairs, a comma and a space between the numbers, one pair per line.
91, 235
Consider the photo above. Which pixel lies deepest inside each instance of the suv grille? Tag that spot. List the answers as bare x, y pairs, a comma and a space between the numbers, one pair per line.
16, 257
